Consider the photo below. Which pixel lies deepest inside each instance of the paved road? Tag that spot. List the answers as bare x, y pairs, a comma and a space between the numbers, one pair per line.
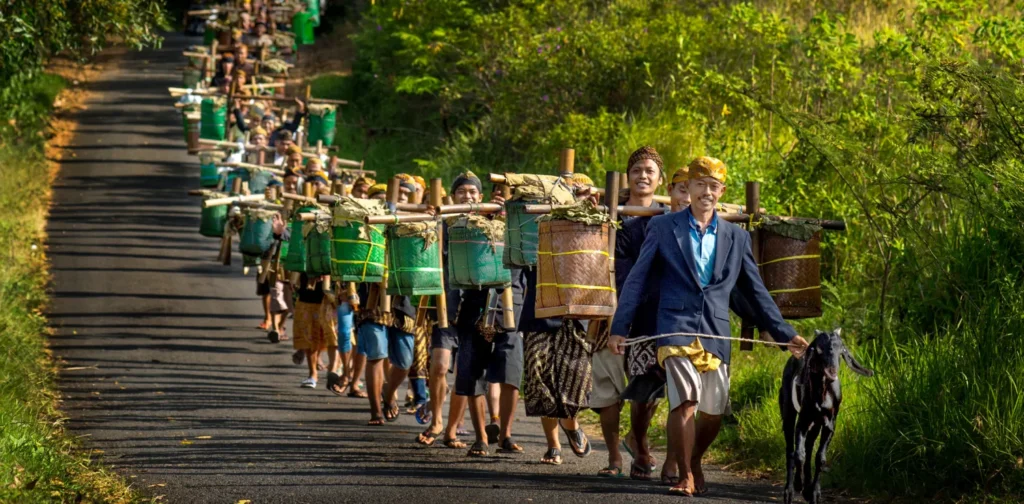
166, 336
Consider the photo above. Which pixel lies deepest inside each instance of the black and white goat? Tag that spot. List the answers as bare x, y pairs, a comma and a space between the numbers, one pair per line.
809, 399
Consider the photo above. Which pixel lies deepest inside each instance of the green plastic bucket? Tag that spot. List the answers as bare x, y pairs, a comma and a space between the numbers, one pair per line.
323, 127
355, 258
214, 120
413, 271
521, 236
209, 176
212, 221
257, 233
302, 27
209, 35
474, 261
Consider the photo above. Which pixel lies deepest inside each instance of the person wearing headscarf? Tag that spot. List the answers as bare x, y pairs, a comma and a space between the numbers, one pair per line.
378, 191
361, 187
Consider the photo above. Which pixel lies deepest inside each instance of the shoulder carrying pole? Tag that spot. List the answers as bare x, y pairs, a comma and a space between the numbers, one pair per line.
508, 309
436, 188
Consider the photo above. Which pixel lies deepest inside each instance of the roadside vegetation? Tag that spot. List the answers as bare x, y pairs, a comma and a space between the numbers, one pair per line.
39, 461
905, 118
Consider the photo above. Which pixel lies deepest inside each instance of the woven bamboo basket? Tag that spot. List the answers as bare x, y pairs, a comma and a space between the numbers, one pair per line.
257, 234
354, 258
296, 259
520, 236
791, 270
474, 261
573, 271
318, 253
413, 270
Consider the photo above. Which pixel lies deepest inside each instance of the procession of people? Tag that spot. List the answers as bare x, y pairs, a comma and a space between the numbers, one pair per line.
365, 312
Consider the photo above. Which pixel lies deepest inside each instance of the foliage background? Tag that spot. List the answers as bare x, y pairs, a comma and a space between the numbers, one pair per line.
903, 118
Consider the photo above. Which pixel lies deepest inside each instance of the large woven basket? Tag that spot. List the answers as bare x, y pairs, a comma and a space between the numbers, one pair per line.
355, 258
413, 269
474, 261
296, 259
257, 235
213, 220
573, 264
791, 270
520, 236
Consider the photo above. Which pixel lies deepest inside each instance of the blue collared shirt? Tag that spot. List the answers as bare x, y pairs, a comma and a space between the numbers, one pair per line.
703, 246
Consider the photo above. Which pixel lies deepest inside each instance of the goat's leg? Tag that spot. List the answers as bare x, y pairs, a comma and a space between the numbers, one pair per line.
788, 424
812, 493
803, 424
812, 436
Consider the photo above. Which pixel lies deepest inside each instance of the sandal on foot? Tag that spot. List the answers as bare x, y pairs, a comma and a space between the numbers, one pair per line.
427, 437
640, 472
284, 335
577, 441
334, 384
479, 449
507, 445
669, 480
392, 412
424, 415
492, 431
298, 357
354, 392
454, 443
308, 383
681, 491
375, 422
461, 432
274, 337
611, 472
552, 457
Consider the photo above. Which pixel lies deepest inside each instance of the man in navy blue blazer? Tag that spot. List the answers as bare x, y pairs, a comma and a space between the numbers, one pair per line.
697, 260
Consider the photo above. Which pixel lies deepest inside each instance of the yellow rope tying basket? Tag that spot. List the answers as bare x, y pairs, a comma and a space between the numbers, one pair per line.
572, 271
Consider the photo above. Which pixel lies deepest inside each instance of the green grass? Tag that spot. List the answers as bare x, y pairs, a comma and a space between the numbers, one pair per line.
39, 461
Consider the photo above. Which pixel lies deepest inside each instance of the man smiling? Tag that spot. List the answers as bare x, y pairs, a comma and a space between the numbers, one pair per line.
699, 260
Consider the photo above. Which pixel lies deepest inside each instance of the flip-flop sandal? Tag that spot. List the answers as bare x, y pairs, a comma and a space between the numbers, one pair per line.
454, 443
264, 326
424, 415
354, 392
284, 335
375, 422
298, 357
308, 383
640, 473
507, 445
680, 491
461, 432
611, 472
577, 441
552, 457
274, 337
629, 450
479, 449
669, 480
492, 431
334, 384
392, 413
427, 437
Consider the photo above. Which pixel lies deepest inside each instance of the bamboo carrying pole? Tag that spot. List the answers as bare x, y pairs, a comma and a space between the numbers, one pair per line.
633, 211
436, 188
611, 200
385, 299
213, 202
269, 168
508, 309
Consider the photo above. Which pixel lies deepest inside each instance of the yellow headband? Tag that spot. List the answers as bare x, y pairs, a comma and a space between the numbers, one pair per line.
705, 166
377, 189
680, 175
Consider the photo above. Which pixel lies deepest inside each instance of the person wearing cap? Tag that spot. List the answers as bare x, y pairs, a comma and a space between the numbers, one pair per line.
377, 191
699, 259
361, 187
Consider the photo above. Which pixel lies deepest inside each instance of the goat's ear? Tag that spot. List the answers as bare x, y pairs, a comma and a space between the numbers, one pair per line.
817, 333
839, 331
851, 361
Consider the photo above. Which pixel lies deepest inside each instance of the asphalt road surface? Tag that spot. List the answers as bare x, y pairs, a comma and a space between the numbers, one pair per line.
172, 384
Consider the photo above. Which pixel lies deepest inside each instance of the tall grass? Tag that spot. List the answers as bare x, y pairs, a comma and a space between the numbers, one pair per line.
38, 461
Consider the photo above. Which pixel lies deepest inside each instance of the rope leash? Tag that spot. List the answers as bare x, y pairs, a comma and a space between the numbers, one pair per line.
641, 339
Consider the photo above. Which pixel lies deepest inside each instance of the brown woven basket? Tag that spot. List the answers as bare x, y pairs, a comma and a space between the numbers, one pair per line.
791, 270
573, 278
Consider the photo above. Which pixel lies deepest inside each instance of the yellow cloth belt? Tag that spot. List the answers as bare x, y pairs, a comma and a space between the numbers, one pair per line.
702, 359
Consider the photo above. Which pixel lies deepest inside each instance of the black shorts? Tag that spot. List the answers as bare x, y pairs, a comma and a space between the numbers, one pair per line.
263, 288
481, 362
446, 339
